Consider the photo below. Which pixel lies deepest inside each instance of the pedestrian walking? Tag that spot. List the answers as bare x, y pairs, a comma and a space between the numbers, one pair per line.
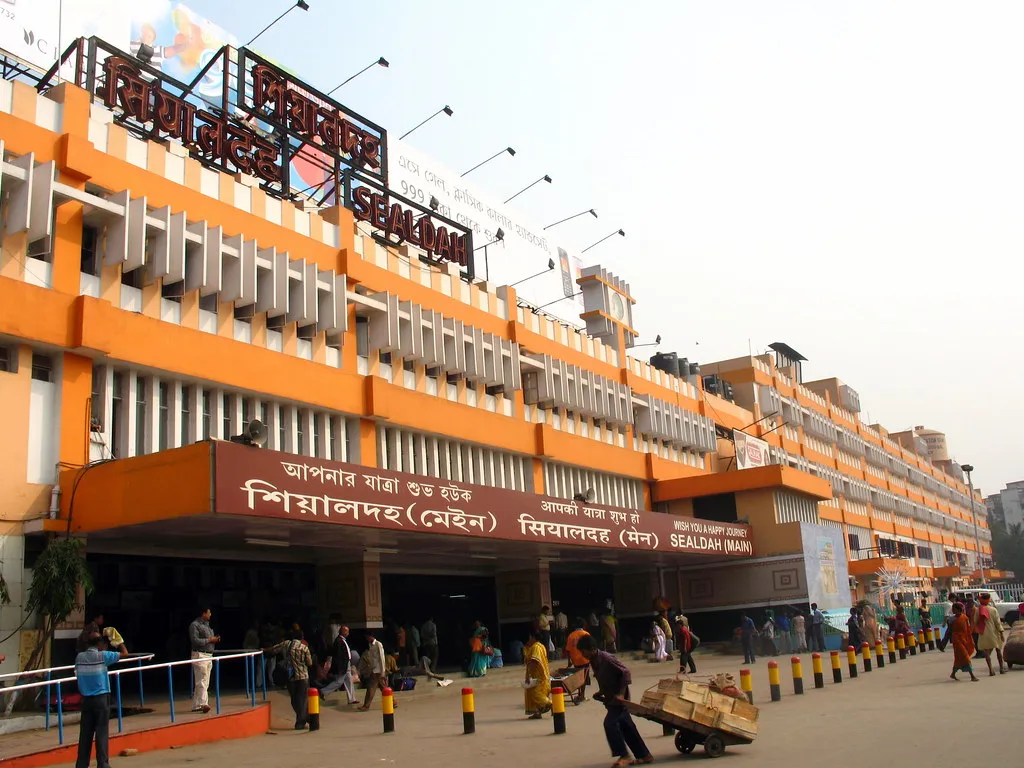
963, 643
854, 630
747, 634
613, 681
658, 642
428, 638
341, 666
666, 628
688, 642
91, 671
203, 640
800, 630
990, 633
372, 668
577, 659
298, 661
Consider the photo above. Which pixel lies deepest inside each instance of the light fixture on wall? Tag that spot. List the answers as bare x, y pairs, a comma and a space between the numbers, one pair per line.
446, 109
591, 211
267, 543
511, 152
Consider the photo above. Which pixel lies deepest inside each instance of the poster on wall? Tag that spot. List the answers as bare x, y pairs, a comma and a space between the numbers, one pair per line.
750, 451
828, 575
182, 42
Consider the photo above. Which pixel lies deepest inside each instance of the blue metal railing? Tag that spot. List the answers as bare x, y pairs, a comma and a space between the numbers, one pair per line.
248, 662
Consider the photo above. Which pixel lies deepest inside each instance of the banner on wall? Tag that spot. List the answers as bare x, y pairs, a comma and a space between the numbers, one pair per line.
825, 564
36, 32
525, 249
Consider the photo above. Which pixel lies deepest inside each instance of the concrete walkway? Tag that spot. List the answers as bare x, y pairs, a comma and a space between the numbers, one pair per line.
894, 714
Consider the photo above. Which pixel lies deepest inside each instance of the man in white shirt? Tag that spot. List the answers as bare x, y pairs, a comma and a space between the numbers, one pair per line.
374, 666
561, 628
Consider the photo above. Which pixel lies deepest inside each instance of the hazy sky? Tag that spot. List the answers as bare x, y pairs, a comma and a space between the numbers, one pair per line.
845, 177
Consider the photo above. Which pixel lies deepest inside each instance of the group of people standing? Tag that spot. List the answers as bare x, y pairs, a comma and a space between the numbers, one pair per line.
785, 631
668, 636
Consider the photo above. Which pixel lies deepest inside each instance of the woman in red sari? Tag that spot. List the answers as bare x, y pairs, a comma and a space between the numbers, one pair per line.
963, 643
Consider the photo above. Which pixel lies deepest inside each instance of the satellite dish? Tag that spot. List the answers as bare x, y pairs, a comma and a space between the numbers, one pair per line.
590, 496
255, 433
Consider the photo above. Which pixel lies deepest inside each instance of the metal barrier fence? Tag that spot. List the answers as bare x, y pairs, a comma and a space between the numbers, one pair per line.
249, 663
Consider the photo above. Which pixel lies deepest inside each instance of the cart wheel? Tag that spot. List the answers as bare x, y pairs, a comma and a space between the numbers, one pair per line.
684, 743
714, 745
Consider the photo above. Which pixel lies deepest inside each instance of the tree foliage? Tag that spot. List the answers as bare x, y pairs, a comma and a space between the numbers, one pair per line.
56, 577
1008, 547
53, 595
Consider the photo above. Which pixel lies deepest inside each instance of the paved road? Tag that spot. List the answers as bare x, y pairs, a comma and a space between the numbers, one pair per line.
902, 710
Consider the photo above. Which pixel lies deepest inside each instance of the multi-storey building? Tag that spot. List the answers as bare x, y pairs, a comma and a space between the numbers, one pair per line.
281, 408
1007, 506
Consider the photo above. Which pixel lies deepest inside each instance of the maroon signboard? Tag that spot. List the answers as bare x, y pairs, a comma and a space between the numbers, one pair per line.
253, 481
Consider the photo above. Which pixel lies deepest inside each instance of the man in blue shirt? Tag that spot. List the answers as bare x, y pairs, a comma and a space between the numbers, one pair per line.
94, 685
747, 633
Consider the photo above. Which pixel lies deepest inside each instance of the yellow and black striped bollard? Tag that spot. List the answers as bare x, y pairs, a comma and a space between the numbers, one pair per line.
773, 681
892, 649
387, 708
901, 646
747, 685
879, 654
851, 660
313, 709
558, 709
930, 636
912, 643
865, 652
468, 711
798, 675
819, 673
837, 669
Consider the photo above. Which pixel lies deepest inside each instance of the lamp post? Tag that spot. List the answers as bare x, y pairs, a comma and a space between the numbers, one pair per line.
967, 468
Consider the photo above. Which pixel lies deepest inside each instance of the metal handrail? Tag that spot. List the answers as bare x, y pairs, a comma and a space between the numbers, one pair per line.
49, 670
250, 692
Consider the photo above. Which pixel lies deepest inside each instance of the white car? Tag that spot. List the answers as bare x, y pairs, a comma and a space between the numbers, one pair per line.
1008, 609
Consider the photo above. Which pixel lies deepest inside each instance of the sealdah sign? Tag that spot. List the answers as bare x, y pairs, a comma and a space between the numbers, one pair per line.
438, 242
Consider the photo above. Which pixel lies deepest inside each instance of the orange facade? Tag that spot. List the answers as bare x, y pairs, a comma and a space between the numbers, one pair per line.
108, 358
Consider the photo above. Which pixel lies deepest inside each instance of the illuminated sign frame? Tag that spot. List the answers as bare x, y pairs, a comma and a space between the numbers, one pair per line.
399, 220
276, 119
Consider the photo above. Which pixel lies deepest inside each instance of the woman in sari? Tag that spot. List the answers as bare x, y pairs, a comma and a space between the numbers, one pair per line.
609, 633
990, 633
870, 623
658, 642
963, 643
481, 651
538, 694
